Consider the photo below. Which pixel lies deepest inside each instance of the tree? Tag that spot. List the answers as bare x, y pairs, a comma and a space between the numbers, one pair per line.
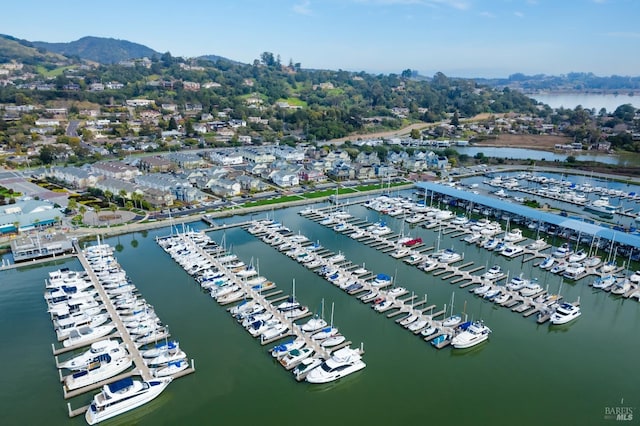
72, 205
108, 194
455, 120
173, 125
415, 134
46, 155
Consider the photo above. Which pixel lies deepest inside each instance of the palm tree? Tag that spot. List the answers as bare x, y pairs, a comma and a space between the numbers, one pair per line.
123, 194
16, 225
108, 194
82, 210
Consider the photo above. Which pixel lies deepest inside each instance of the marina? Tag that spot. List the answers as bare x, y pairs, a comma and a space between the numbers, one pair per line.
213, 335
99, 267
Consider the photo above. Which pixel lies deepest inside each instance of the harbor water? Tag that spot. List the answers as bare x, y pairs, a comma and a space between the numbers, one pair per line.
527, 374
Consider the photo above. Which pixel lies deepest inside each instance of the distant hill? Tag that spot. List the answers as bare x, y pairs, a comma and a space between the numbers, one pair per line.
216, 58
99, 49
23, 51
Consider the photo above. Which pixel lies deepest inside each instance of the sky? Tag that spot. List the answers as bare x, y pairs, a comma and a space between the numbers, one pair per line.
461, 38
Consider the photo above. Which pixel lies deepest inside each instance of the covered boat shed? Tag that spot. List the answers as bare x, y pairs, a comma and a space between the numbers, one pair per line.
574, 223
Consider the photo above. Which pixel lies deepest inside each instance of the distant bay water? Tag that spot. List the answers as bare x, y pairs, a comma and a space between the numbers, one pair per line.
588, 100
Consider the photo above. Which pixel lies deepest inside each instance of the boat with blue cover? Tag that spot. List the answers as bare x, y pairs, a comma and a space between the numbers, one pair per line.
122, 396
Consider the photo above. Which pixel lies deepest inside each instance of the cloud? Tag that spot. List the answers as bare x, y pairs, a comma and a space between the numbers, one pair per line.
302, 8
519, 14
455, 4
486, 14
623, 34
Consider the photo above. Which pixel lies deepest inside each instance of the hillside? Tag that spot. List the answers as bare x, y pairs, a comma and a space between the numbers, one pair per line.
99, 49
23, 51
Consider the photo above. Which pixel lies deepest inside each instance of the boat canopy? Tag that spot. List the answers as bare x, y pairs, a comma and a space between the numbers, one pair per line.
120, 384
383, 277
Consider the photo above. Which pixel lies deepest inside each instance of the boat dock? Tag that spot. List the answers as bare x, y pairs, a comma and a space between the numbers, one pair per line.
121, 332
248, 292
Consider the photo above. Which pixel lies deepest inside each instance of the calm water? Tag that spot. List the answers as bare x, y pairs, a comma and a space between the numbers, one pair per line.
527, 374
588, 100
534, 154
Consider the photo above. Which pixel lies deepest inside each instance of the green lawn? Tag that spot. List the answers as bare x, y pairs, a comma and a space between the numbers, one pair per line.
293, 101
54, 72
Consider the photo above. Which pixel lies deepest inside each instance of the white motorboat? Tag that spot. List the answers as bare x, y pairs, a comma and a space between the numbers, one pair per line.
100, 368
111, 347
562, 251
493, 273
171, 368
314, 324
167, 356
513, 235
592, 262
491, 244
621, 286
452, 321
565, 313
158, 349
604, 282
548, 262
473, 333
559, 267
635, 277
122, 396
472, 238
429, 330
511, 251
602, 207
502, 298
85, 334
263, 316
608, 267
538, 244
449, 256
418, 324
480, 291
63, 326
293, 357
332, 341
274, 331
578, 256
517, 283
282, 349
381, 280
259, 327
343, 362
305, 366
325, 333
414, 259
574, 271
400, 253
531, 288
409, 319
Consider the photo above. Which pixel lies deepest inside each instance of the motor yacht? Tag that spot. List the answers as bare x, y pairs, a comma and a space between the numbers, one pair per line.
111, 347
122, 396
565, 313
100, 368
472, 334
85, 334
343, 362
294, 357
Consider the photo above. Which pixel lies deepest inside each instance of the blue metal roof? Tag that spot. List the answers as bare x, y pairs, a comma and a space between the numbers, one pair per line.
574, 223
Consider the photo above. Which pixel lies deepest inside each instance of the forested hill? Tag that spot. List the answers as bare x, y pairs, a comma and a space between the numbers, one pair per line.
99, 49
